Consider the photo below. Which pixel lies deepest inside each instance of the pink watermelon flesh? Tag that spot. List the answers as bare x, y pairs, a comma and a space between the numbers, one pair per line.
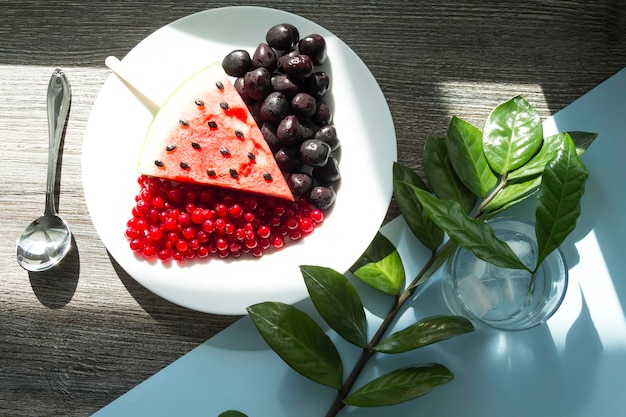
205, 134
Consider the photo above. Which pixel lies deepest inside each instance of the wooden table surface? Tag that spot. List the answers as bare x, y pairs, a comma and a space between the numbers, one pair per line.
77, 337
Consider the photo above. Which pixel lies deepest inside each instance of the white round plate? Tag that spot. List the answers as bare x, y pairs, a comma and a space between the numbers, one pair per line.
118, 123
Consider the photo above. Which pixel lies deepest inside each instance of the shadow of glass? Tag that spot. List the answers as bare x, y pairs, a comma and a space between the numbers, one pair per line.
498, 370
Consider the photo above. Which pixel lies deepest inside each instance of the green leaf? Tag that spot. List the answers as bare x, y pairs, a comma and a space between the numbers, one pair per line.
537, 164
420, 224
232, 413
299, 341
442, 177
400, 386
512, 135
338, 303
379, 248
425, 332
442, 255
474, 235
512, 193
464, 144
558, 200
582, 140
380, 266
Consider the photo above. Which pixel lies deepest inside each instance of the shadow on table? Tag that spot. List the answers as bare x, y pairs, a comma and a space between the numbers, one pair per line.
56, 286
168, 313
517, 371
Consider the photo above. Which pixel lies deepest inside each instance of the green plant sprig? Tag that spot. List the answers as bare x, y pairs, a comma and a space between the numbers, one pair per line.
472, 175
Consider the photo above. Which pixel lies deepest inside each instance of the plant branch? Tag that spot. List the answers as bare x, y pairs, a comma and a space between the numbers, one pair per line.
503, 183
368, 351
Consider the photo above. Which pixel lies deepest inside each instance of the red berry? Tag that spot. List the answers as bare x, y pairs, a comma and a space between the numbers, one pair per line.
155, 233
194, 244
248, 217
158, 202
292, 223
164, 254
178, 221
265, 243
202, 252
295, 234
170, 224
221, 209
189, 233
142, 225
174, 195
235, 210
182, 246
229, 228
184, 219
306, 225
251, 243
206, 197
278, 241
197, 216
221, 244
208, 226
263, 231
136, 244
148, 251
317, 215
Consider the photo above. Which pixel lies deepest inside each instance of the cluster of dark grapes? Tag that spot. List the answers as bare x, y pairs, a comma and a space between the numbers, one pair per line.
283, 85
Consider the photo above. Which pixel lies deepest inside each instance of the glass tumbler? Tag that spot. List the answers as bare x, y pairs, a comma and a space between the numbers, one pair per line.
501, 298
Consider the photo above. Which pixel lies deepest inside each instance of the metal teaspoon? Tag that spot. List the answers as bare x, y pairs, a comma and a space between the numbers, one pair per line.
48, 239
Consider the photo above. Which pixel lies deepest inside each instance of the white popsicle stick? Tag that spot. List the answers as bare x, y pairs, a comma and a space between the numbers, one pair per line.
133, 82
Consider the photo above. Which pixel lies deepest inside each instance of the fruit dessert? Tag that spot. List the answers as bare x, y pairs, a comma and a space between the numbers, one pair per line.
205, 134
241, 159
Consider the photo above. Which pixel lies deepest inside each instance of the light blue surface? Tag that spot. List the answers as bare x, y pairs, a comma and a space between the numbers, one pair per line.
572, 366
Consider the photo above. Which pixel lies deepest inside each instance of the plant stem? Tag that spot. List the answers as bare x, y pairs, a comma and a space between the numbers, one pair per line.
503, 183
368, 351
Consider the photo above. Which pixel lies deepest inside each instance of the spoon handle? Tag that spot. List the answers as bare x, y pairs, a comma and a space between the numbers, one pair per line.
58, 102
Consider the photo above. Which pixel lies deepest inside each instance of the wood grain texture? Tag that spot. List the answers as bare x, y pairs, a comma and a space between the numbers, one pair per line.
76, 338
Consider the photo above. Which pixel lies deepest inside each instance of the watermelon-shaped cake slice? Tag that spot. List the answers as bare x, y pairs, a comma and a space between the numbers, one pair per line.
205, 134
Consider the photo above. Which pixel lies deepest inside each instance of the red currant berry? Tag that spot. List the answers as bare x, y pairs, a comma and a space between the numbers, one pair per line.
197, 217
164, 254
277, 241
184, 219
208, 226
221, 209
173, 195
295, 234
202, 251
248, 217
317, 215
263, 231
221, 244
182, 245
292, 223
148, 251
235, 211
136, 244
306, 225
189, 233
158, 202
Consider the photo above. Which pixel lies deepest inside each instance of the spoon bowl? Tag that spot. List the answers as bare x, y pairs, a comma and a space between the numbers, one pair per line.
44, 243
48, 239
